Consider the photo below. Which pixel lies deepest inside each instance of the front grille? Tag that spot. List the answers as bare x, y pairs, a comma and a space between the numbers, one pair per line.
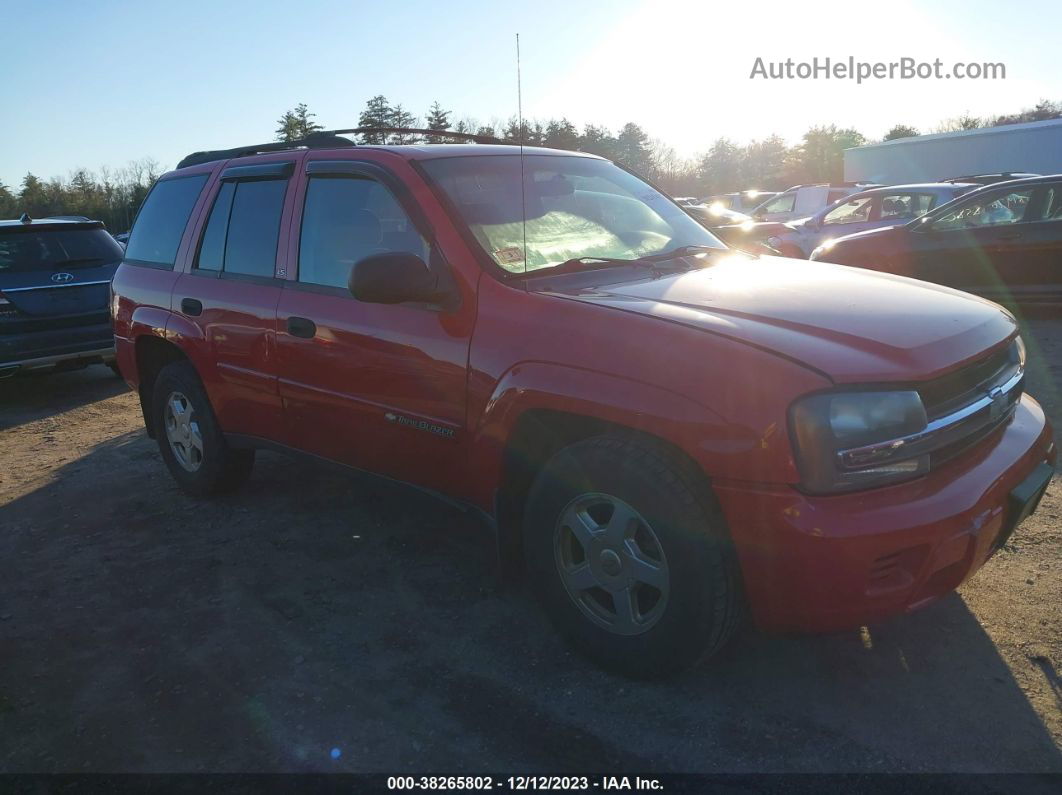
951, 392
963, 408
955, 391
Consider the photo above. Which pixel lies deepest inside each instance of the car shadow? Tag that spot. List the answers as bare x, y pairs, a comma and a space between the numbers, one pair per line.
325, 621
35, 396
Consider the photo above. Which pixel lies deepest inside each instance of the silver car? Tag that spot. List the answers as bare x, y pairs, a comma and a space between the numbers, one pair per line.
868, 209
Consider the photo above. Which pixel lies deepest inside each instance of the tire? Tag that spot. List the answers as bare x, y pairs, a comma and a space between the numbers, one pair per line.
695, 604
194, 449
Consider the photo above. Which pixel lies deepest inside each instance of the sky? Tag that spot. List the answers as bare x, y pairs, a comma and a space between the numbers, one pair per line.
100, 84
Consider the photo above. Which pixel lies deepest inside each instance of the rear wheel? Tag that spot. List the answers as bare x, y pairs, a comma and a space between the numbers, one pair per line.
629, 555
191, 443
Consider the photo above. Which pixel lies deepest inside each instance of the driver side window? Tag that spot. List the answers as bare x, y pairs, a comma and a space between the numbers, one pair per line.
994, 209
346, 219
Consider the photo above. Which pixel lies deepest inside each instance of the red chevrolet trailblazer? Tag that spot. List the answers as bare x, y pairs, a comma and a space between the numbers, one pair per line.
668, 434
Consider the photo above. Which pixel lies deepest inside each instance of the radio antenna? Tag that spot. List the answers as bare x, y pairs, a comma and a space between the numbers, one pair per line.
520, 122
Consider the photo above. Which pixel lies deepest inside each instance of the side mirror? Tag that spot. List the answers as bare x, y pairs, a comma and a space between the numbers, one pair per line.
393, 277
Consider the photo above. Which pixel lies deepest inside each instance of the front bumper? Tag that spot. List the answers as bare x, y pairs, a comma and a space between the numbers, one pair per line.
37, 349
820, 564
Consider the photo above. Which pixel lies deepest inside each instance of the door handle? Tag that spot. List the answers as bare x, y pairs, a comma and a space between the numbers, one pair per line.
301, 327
1010, 236
191, 306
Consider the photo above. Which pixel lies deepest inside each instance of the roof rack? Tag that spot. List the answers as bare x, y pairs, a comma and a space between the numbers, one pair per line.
324, 139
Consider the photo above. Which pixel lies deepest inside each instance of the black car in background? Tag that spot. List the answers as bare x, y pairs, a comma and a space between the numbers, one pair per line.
1001, 241
55, 276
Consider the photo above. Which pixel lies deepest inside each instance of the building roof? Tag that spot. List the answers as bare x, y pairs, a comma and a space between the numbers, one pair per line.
1001, 129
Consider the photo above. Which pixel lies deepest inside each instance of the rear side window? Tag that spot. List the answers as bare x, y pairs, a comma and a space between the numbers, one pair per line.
782, 204
1051, 205
904, 206
243, 228
157, 233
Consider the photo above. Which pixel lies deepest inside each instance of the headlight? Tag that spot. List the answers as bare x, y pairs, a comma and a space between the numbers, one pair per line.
822, 249
1019, 351
829, 430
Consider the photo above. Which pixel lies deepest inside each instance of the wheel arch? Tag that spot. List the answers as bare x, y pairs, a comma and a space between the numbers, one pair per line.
153, 353
524, 425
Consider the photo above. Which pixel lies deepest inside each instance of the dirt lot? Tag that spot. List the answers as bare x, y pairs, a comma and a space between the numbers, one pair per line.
320, 613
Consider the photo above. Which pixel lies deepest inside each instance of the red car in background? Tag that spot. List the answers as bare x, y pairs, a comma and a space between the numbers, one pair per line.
669, 434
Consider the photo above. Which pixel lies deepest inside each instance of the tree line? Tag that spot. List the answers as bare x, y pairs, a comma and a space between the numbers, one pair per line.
114, 196
111, 196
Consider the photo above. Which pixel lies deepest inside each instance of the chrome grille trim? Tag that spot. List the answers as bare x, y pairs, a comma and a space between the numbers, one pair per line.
51, 286
978, 417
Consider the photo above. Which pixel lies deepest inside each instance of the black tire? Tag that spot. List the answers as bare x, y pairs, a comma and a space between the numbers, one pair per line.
219, 468
704, 600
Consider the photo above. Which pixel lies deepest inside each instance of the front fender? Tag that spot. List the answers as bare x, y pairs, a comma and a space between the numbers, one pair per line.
722, 447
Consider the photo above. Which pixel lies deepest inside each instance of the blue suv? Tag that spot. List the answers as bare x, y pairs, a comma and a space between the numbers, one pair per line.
55, 276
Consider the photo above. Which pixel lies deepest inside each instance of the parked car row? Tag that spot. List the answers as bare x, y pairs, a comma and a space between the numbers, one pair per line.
997, 235
1002, 241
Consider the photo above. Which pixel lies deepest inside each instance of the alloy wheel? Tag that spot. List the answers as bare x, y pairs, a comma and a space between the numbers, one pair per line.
182, 431
611, 563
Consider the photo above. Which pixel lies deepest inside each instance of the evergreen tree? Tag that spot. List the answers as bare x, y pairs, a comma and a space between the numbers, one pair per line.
296, 124
719, 168
304, 121
402, 118
438, 119
32, 198
561, 135
763, 164
632, 149
287, 130
377, 113
597, 141
7, 202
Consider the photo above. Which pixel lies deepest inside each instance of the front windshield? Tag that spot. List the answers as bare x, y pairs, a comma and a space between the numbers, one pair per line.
576, 207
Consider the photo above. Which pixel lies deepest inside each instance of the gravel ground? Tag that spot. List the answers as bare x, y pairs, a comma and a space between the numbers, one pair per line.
319, 612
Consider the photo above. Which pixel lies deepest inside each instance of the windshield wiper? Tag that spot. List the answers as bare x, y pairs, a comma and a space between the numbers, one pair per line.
593, 263
580, 263
681, 251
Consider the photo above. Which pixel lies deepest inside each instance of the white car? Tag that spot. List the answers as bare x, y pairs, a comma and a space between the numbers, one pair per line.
802, 201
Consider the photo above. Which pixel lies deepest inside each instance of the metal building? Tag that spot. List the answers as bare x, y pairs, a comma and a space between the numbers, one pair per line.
1034, 147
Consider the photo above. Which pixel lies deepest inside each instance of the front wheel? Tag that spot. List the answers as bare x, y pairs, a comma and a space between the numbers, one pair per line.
191, 443
629, 555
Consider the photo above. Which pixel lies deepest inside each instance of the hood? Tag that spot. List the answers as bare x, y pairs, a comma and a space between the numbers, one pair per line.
849, 324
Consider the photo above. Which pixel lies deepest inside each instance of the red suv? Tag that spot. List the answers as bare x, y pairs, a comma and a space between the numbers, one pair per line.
666, 433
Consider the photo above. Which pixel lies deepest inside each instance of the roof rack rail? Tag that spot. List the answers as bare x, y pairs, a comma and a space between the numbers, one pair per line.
324, 139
